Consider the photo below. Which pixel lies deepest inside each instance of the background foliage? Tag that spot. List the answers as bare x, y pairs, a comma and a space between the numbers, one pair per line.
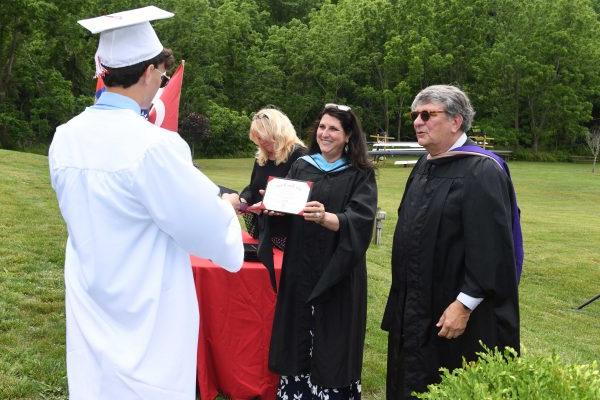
532, 68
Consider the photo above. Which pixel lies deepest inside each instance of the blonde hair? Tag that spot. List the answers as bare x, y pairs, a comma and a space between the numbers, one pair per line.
271, 124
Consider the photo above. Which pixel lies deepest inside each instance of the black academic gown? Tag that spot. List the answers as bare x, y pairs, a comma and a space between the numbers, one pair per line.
453, 235
327, 270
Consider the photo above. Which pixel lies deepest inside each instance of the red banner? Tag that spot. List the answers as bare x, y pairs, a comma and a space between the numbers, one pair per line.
165, 107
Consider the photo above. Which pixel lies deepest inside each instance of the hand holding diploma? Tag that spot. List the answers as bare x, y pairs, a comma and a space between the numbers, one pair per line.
230, 196
233, 199
286, 195
283, 196
257, 208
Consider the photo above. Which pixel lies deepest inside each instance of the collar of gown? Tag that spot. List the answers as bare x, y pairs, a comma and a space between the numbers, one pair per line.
110, 101
459, 142
321, 163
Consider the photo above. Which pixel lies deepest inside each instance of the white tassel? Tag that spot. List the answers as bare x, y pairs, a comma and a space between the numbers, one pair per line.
100, 70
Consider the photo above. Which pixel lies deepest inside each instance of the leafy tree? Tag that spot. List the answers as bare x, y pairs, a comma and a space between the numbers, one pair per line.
35, 95
228, 133
531, 68
593, 142
286, 10
541, 69
283, 75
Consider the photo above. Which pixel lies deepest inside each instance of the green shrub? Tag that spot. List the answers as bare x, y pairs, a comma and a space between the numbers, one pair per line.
504, 375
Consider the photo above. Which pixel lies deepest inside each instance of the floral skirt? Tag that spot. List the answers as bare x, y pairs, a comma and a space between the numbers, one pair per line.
299, 387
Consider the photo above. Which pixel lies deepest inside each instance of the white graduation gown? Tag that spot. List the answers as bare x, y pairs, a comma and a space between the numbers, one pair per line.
135, 207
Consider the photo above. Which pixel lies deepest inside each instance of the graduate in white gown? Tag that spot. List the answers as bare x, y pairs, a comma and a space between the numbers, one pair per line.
135, 208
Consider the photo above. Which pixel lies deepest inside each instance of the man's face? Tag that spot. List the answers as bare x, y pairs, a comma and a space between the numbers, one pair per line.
440, 131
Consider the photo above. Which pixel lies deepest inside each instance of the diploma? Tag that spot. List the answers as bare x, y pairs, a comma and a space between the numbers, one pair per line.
286, 195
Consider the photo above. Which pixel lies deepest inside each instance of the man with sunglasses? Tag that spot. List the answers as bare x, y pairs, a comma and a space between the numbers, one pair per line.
456, 251
135, 208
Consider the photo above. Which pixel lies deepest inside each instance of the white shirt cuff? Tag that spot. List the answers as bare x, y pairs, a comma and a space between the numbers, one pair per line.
470, 302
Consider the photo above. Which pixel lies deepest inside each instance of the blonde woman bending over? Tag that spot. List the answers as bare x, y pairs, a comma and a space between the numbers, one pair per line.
278, 147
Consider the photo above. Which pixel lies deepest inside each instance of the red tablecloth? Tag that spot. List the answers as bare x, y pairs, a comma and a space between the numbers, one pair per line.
236, 315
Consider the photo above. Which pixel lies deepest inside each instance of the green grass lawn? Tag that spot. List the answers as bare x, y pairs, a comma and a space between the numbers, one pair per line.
560, 206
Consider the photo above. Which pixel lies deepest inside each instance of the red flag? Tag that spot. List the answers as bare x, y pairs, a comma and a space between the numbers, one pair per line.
165, 107
100, 88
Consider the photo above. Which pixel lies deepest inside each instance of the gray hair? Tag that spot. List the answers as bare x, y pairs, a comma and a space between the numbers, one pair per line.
454, 100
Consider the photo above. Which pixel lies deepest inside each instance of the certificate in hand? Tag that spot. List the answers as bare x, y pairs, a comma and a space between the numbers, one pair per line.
286, 195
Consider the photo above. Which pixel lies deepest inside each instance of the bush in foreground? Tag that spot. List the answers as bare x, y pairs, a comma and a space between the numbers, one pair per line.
504, 375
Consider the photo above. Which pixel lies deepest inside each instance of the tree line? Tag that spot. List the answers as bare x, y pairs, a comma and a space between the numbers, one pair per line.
531, 68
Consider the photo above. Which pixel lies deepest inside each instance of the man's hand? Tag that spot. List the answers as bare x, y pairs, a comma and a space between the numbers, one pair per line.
454, 320
232, 198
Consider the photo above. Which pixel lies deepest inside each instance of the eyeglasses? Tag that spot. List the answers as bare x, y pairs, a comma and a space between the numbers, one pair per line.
425, 115
164, 79
340, 107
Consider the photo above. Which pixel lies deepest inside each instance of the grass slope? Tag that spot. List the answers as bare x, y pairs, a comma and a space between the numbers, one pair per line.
32, 239
560, 206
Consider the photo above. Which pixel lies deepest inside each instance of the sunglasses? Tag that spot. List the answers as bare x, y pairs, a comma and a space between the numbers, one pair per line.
340, 107
425, 115
164, 79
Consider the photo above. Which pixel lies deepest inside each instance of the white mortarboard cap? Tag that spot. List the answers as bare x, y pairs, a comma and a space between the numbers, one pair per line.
126, 38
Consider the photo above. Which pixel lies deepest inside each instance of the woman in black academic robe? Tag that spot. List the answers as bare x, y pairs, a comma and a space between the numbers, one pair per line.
278, 147
320, 316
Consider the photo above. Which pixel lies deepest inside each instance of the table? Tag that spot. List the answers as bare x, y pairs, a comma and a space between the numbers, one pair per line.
236, 316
